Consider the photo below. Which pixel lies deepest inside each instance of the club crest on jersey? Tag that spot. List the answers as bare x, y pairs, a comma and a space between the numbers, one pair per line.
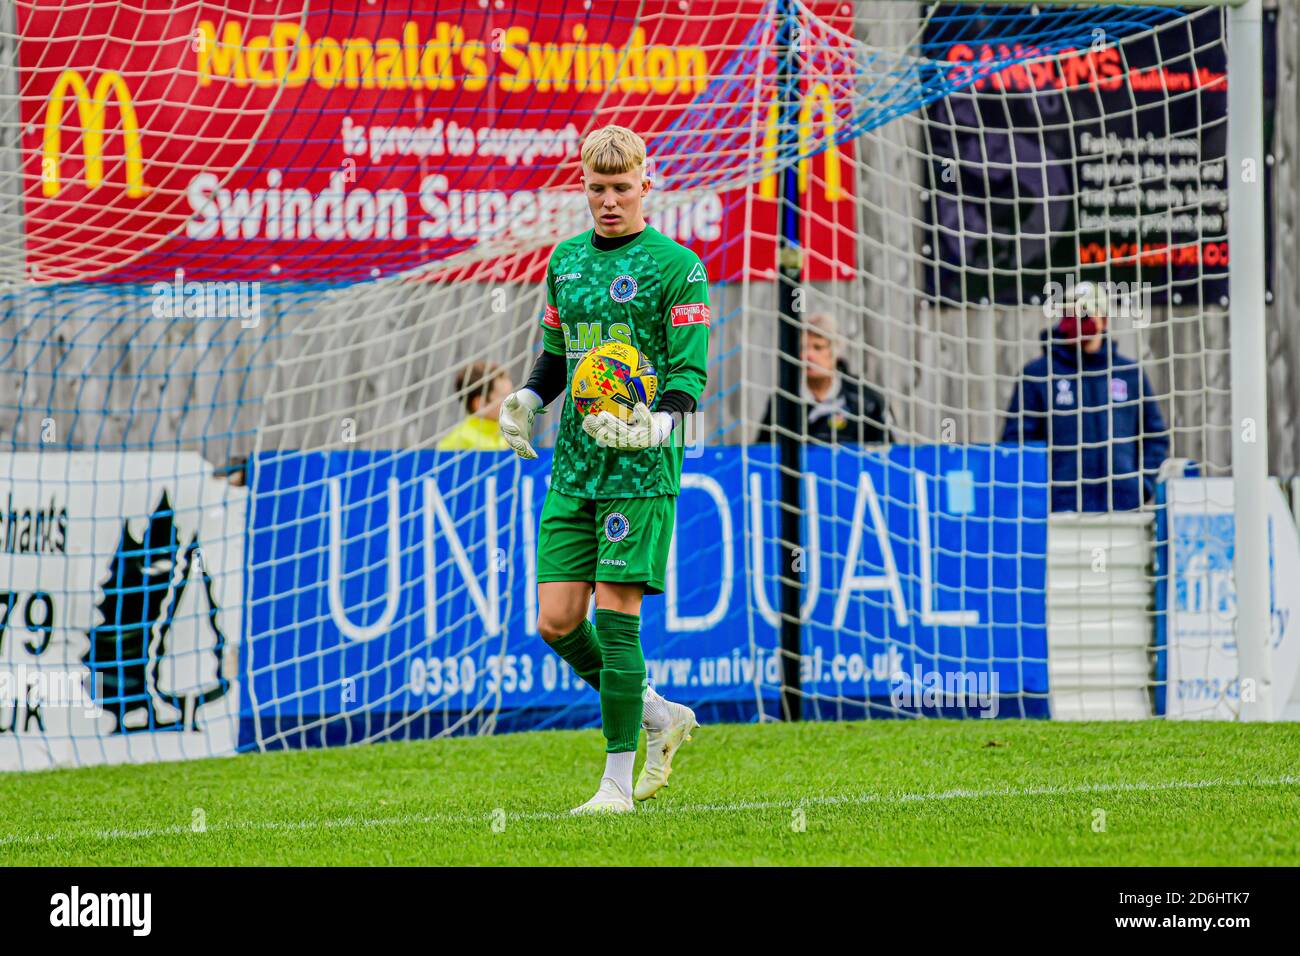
622, 289
616, 527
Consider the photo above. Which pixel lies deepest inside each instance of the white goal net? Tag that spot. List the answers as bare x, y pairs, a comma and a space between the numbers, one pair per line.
252, 253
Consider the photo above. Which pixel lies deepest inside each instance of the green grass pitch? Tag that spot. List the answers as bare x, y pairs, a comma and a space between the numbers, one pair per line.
881, 792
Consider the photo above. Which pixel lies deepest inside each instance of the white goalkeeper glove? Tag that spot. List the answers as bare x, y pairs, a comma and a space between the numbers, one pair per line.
645, 430
516, 420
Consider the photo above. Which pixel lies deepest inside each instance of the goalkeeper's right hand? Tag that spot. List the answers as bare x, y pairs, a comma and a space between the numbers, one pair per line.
516, 420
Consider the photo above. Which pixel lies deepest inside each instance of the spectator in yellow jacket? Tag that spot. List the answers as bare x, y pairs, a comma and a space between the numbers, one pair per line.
483, 386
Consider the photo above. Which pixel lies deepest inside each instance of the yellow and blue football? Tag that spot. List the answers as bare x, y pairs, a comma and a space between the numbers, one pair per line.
612, 378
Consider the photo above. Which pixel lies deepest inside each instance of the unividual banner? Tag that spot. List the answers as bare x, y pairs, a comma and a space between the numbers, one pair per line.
310, 142
394, 594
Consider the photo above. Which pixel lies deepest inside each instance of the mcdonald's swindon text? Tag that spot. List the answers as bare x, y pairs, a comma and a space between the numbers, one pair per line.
327, 149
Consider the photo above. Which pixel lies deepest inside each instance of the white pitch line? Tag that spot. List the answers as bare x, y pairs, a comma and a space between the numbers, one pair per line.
669, 809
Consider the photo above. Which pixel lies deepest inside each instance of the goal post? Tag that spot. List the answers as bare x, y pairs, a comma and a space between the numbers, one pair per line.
1250, 463
265, 269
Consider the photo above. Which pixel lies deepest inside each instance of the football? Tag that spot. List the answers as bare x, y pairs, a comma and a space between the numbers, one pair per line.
612, 378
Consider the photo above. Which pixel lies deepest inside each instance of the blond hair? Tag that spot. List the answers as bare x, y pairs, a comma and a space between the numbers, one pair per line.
612, 150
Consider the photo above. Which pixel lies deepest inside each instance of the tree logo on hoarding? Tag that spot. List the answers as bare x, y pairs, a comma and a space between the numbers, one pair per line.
158, 647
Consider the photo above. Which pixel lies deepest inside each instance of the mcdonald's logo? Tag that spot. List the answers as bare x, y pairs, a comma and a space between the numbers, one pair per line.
818, 96
91, 109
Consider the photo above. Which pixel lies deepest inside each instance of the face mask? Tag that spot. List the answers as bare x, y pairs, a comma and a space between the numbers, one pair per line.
1073, 327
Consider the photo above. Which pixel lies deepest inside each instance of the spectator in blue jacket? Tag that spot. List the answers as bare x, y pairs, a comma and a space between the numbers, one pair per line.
1095, 410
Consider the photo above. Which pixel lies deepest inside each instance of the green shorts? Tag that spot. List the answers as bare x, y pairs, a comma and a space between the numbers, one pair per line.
622, 540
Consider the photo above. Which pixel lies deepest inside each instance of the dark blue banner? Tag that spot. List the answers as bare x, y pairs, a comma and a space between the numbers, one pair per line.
393, 594
1105, 161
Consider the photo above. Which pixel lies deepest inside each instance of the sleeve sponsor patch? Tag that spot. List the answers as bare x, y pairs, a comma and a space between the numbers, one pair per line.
551, 317
696, 313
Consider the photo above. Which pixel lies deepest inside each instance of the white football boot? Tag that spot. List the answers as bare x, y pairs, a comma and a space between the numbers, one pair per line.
608, 799
660, 745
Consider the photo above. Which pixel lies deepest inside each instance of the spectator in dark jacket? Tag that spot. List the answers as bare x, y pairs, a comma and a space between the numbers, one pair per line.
834, 407
1095, 410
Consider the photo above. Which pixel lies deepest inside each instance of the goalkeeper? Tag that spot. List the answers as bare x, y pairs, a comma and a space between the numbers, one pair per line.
610, 510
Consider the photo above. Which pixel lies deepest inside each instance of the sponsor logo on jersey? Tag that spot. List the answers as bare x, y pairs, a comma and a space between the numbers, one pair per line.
696, 313
1118, 390
622, 289
616, 527
552, 317
697, 274
567, 276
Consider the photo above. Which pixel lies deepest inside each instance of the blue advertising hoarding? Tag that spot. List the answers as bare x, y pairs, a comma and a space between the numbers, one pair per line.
393, 594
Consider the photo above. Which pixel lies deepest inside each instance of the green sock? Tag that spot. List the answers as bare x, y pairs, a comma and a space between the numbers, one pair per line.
582, 652
622, 679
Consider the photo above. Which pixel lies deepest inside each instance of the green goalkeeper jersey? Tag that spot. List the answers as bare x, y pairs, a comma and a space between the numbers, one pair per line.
652, 294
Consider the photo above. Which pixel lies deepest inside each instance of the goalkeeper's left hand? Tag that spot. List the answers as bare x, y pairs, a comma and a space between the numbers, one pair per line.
645, 430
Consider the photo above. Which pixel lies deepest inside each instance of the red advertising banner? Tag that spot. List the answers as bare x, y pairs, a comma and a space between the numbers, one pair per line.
246, 140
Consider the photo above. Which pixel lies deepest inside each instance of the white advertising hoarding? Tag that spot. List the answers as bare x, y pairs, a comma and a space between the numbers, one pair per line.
121, 578
1202, 602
